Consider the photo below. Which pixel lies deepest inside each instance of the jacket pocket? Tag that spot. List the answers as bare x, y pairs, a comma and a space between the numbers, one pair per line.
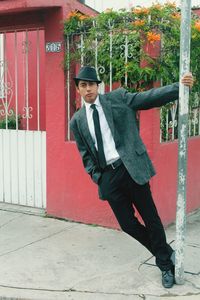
140, 149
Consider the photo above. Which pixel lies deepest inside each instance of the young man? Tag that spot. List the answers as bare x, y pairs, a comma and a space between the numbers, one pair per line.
107, 136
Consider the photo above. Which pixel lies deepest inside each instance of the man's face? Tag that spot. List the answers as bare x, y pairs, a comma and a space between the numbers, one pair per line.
88, 90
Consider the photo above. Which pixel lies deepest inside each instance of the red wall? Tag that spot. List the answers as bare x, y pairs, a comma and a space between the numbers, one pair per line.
165, 160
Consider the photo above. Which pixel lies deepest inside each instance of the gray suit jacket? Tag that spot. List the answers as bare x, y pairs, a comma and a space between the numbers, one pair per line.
120, 109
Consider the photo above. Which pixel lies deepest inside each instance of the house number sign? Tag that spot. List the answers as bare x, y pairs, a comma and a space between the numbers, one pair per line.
53, 47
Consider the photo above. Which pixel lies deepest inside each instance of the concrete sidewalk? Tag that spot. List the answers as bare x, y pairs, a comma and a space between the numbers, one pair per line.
46, 258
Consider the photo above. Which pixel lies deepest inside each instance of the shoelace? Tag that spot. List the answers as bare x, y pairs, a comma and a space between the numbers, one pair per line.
167, 273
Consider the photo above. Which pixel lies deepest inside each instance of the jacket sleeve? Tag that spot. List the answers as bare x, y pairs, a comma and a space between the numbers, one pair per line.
87, 160
155, 97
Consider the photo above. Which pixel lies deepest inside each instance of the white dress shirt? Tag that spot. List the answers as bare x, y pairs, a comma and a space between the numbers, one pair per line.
110, 151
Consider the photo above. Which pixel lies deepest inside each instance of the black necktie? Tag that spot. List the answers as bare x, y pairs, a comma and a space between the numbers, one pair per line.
97, 129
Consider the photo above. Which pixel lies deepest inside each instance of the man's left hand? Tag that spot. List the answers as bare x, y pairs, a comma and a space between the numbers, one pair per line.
188, 79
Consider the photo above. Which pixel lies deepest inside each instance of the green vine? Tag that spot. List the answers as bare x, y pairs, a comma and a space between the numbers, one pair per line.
10, 121
141, 25
146, 30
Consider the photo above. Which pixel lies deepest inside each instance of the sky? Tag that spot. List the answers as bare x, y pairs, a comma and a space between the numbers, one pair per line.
101, 5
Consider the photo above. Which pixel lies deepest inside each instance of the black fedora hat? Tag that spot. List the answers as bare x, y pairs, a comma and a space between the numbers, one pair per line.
87, 74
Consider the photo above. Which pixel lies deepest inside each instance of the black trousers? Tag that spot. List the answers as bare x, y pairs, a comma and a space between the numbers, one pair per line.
124, 195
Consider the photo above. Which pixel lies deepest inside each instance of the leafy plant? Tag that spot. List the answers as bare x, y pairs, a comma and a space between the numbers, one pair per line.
140, 29
140, 25
10, 121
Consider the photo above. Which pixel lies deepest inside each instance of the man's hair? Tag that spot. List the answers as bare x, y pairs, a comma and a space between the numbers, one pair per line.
78, 80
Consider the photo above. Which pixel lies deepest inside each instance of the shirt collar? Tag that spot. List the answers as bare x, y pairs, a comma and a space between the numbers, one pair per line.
96, 102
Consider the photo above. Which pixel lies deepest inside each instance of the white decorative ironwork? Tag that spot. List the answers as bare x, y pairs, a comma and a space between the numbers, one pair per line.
16, 80
68, 86
6, 90
126, 54
101, 69
38, 79
82, 50
111, 26
26, 46
96, 48
173, 123
27, 114
126, 49
26, 108
170, 126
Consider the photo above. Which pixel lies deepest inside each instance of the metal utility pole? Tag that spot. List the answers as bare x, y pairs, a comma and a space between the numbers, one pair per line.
183, 134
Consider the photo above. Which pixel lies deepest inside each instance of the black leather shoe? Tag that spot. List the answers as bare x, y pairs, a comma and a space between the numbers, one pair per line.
167, 279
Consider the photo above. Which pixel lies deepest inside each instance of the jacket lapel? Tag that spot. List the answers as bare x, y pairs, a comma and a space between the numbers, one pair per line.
84, 129
106, 105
